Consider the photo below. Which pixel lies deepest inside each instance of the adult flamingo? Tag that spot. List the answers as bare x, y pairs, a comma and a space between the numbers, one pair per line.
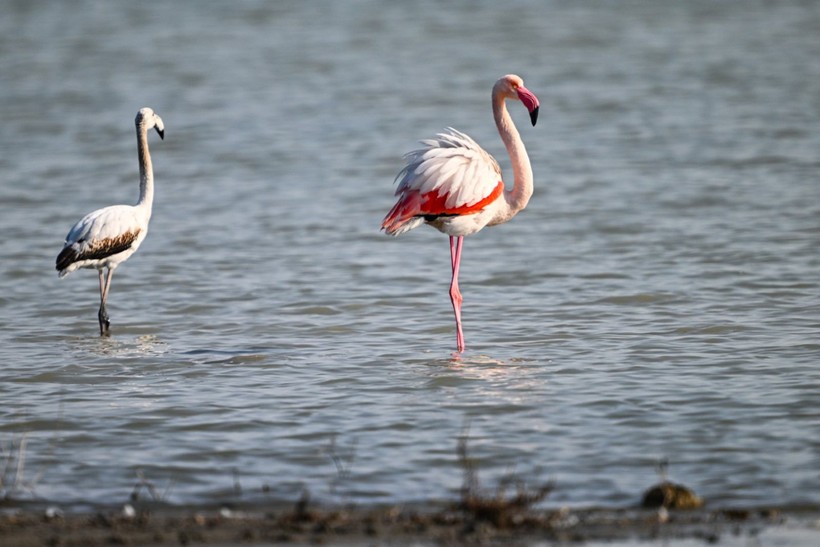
105, 238
455, 186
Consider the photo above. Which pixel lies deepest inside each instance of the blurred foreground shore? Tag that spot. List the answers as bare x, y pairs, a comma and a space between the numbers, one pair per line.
430, 524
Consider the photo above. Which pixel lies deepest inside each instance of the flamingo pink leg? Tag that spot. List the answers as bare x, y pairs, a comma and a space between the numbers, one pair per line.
455, 294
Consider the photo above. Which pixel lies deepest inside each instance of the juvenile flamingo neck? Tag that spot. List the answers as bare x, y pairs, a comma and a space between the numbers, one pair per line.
517, 197
146, 169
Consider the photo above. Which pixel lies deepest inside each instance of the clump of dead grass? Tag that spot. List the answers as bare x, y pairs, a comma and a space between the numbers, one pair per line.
497, 506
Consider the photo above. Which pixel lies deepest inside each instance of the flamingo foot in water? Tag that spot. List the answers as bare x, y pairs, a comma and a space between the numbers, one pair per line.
105, 324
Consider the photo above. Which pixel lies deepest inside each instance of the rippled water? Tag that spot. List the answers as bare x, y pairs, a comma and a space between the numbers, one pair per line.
659, 298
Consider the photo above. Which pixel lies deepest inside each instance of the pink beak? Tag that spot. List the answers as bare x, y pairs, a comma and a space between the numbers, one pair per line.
530, 101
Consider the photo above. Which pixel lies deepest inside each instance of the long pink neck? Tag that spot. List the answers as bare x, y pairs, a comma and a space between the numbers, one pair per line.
517, 197
146, 169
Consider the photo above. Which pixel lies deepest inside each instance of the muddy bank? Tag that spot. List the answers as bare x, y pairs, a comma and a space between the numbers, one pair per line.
302, 524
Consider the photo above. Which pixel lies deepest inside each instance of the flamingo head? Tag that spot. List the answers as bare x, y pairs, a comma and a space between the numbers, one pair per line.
512, 86
148, 118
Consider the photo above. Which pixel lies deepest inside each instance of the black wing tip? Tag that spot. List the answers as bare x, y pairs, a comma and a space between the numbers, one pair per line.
66, 257
534, 115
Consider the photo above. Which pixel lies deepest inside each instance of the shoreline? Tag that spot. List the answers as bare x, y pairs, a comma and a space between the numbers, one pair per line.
435, 523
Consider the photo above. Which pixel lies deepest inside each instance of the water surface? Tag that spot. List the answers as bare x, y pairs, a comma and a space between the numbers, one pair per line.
659, 297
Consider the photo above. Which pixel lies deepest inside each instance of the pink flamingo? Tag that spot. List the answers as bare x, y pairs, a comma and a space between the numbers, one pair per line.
455, 186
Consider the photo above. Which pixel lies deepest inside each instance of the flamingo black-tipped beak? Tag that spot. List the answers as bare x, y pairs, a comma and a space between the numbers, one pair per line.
161, 132
530, 101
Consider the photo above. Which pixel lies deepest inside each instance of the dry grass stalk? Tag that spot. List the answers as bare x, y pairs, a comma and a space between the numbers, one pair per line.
496, 507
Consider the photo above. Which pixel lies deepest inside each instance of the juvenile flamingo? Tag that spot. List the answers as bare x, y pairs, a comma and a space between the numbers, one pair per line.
455, 186
108, 236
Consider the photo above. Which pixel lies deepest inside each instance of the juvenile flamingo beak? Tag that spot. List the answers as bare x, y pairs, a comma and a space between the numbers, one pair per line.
530, 101
161, 132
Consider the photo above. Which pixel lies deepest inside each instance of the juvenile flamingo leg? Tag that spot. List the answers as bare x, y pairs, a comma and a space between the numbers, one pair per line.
102, 315
455, 294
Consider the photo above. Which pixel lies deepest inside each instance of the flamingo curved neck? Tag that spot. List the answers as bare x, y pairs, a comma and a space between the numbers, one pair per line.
519, 195
146, 169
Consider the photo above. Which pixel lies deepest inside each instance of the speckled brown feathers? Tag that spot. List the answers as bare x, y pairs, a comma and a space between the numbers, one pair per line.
96, 250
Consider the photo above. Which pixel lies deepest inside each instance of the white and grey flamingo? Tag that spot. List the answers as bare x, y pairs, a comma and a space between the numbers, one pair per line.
455, 186
109, 236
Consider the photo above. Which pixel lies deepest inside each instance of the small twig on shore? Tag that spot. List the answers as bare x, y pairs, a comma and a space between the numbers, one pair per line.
237, 488
342, 463
12, 477
142, 482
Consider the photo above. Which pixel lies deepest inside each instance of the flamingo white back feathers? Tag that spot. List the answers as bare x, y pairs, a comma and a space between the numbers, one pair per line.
455, 186
103, 239
451, 173
107, 237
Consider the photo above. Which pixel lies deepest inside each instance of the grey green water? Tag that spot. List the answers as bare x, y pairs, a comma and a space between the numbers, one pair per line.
659, 298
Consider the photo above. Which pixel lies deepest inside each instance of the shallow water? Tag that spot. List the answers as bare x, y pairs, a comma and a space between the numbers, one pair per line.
659, 298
